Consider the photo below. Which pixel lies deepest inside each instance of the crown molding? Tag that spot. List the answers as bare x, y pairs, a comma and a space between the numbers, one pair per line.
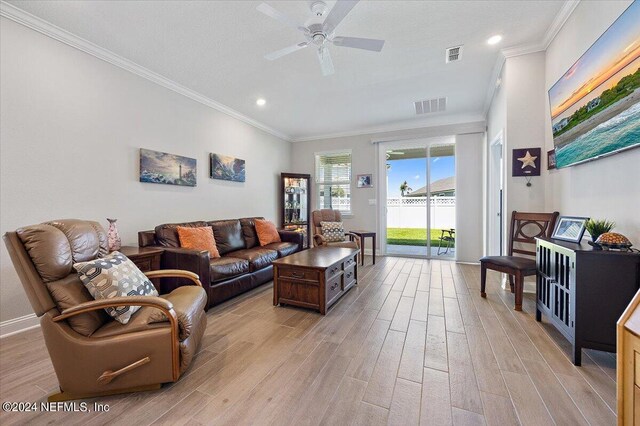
395, 127
524, 49
492, 87
28, 20
561, 18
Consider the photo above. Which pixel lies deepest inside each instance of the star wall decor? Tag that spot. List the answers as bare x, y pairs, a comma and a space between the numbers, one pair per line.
526, 162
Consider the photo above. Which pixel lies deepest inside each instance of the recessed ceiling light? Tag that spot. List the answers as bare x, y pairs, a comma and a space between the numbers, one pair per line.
261, 102
495, 39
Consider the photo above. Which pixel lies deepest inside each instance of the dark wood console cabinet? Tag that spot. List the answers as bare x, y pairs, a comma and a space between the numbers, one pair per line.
583, 291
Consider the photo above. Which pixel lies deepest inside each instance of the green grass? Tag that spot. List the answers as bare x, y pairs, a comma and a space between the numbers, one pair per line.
412, 237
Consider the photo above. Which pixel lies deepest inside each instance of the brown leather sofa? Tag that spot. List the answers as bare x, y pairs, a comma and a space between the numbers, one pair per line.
243, 264
92, 354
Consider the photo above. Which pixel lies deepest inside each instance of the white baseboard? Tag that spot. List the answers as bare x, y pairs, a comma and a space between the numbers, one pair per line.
18, 325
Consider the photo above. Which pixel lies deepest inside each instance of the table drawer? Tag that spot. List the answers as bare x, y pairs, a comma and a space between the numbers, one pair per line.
298, 274
349, 277
349, 262
333, 270
333, 288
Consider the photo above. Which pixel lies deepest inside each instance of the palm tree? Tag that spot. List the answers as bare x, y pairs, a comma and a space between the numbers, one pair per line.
404, 188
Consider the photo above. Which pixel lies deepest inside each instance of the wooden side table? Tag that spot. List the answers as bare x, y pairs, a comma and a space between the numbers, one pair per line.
363, 235
145, 258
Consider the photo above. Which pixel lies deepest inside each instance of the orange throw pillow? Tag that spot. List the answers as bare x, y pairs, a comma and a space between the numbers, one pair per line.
198, 239
267, 232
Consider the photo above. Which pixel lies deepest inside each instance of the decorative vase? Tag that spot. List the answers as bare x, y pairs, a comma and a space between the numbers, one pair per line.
113, 238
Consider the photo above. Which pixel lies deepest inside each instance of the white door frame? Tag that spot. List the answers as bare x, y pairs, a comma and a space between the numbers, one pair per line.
496, 168
381, 154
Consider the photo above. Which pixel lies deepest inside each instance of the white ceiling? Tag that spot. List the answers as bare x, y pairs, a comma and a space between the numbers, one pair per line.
216, 48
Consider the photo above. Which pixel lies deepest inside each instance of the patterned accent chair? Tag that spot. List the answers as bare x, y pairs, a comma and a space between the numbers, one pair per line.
328, 215
92, 354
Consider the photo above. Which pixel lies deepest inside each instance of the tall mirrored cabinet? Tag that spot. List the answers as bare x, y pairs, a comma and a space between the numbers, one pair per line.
296, 202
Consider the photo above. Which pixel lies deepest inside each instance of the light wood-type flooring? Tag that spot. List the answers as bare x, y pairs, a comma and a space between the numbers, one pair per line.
413, 343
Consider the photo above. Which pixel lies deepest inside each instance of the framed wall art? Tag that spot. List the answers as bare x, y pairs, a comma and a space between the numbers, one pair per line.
365, 181
224, 167
551, 159
526, 162
169, 169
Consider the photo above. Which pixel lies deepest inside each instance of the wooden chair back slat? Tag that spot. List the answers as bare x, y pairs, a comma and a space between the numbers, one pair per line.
545, 222
527, 252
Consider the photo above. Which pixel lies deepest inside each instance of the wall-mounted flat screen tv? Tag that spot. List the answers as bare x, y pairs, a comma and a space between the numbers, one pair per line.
595, 106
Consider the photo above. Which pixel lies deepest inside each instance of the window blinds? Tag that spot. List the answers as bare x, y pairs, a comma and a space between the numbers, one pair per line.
333, 168
333, 180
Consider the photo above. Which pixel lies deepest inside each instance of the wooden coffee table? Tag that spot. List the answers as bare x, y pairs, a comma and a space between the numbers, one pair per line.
315, 278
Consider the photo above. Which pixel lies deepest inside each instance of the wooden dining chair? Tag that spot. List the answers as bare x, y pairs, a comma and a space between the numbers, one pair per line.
525, 227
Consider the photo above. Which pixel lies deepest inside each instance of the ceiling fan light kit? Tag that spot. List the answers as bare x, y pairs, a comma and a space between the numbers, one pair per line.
320, 35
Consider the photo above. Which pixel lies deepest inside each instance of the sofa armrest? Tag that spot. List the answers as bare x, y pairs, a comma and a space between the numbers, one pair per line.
292, 237
196, 261
354, 237
174, 273
319, 240
146, 238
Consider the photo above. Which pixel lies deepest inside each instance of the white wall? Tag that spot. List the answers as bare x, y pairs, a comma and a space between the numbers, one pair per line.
496, 126
497, 114
364, 161
469, 183
71, 129
518, 110
525, 128
608, 187
605, 188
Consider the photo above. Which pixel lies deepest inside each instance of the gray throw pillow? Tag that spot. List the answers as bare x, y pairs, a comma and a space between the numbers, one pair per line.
112, 276
333, 231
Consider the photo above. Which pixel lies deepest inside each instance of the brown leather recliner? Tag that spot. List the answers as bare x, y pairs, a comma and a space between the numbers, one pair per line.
328, 215
92, 354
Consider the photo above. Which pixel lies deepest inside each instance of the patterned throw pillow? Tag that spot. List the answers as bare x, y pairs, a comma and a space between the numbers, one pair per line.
112, 276
332, 231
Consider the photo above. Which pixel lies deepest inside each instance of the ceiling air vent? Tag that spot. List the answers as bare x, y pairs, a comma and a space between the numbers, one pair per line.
453, 54
430, 105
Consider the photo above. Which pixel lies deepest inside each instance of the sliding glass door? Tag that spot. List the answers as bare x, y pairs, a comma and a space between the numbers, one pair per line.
419, 193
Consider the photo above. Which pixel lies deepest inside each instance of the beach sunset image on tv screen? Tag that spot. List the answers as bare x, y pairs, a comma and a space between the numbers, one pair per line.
595, 106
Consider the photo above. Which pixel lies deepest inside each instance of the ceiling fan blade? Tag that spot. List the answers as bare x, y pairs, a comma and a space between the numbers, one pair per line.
337, 14
279, 16
280, 53
359, 43
325, 61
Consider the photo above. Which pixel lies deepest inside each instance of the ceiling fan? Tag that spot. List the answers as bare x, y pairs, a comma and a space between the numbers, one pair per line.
321, 33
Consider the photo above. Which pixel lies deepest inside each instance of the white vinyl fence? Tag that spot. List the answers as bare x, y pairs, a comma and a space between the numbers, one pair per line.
411, 212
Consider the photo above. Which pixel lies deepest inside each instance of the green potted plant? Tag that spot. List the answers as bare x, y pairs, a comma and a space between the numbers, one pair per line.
597, 227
